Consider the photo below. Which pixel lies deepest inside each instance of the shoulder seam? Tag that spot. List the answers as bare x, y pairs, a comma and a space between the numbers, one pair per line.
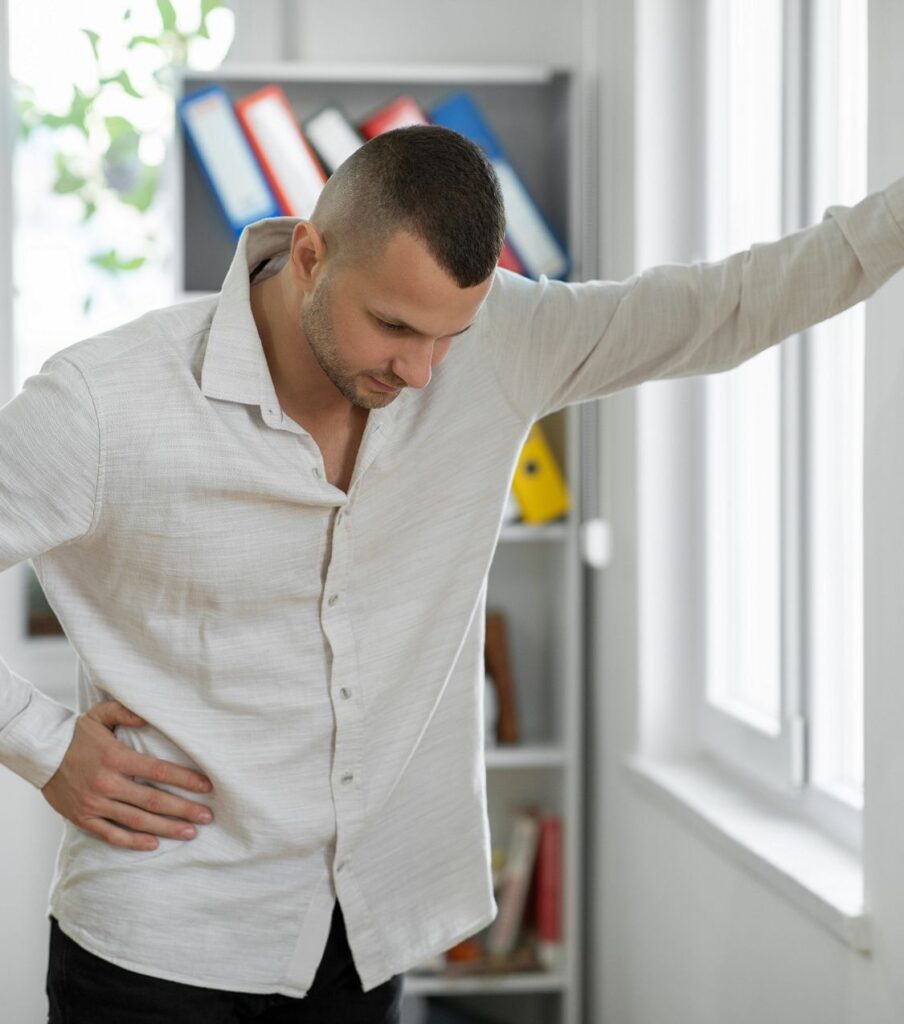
496, 373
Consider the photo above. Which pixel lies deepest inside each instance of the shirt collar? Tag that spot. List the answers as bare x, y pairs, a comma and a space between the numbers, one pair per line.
235, 367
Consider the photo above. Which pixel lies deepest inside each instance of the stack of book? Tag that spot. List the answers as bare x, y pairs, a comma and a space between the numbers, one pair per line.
526, 934
261, 161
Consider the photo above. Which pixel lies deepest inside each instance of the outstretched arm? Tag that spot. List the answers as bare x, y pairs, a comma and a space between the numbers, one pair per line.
555, 343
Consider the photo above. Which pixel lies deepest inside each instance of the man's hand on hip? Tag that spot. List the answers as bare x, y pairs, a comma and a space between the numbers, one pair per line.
95, 785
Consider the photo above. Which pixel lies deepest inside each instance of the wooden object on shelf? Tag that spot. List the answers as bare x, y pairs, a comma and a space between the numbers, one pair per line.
498, 668
41, 619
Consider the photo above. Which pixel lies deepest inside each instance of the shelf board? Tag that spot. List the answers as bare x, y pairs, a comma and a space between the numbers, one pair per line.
528, 532
182, 296
528, 756
303, 71
528, 981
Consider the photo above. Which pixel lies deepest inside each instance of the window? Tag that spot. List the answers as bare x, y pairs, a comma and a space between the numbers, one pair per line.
835, 424
786, 130
91, 234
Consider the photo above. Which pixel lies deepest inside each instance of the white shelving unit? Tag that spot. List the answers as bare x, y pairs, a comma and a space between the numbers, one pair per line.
536, 576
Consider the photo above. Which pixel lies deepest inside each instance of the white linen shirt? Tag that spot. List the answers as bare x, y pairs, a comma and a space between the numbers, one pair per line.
317, 654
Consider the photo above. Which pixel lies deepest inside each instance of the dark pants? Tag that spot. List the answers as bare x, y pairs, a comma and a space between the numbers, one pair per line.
85, 989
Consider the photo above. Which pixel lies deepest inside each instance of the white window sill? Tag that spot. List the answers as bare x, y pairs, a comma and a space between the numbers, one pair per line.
818, 875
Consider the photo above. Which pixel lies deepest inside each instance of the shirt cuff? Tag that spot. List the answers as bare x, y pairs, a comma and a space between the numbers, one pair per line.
874, 227
894, 196
34, 743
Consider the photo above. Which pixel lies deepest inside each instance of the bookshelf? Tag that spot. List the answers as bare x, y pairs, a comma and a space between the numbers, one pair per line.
536, 577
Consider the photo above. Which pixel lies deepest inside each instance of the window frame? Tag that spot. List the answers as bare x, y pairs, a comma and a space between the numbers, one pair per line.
780, 762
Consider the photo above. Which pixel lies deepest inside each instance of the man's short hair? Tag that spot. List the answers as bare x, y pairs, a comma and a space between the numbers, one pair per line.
430, 181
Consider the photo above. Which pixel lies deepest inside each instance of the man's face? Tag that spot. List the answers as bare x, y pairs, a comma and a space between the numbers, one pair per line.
390, 320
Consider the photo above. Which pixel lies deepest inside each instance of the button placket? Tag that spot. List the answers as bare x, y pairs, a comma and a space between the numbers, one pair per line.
349, 735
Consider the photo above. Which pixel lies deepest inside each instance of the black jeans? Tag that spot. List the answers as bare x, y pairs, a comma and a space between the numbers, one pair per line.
85, 989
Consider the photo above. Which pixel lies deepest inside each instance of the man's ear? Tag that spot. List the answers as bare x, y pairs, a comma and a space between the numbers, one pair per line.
307, 254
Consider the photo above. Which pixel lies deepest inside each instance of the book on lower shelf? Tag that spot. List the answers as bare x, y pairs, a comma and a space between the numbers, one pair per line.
526, 934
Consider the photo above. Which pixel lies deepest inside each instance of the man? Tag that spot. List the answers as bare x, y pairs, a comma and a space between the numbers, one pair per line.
265, 520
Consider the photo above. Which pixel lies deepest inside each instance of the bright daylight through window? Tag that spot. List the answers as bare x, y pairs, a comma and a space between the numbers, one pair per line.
786, 139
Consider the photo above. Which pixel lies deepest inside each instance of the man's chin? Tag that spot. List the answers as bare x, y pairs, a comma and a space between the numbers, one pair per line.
371, 396
376, 401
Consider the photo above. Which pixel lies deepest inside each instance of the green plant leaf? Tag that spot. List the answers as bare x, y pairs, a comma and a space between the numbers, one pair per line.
139, 40
81, 104
93, 38
121, 163
206, 7
78, 109
143, 194
90, 209
167, 15
123, 79
112, 262
67, 180
118, 126
27, 115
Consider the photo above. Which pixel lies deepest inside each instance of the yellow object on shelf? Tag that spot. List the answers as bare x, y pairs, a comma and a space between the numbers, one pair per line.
539, 486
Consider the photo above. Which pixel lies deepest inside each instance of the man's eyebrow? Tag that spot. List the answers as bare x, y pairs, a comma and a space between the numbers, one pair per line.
386, 318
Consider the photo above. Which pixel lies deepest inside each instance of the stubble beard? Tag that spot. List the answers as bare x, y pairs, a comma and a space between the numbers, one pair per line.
318, 330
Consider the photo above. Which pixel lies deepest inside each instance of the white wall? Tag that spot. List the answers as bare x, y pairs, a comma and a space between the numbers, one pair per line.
418, 31
878, 990
686, 936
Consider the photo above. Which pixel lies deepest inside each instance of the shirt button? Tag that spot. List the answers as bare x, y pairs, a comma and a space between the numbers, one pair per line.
317, 471
347, 777
342, 865
346, 692
333, 599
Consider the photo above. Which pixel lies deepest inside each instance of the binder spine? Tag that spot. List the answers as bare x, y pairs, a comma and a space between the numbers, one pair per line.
400, 113
226, 159
292, 169
333, 136
530, 236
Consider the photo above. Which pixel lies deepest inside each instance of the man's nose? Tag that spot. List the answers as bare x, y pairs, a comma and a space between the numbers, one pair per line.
414, 364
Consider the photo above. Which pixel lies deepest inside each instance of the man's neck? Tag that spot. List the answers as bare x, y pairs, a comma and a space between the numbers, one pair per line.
291, 363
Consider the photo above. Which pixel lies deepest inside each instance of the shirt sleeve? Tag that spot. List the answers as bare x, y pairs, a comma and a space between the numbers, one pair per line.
49, 473
557, 343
